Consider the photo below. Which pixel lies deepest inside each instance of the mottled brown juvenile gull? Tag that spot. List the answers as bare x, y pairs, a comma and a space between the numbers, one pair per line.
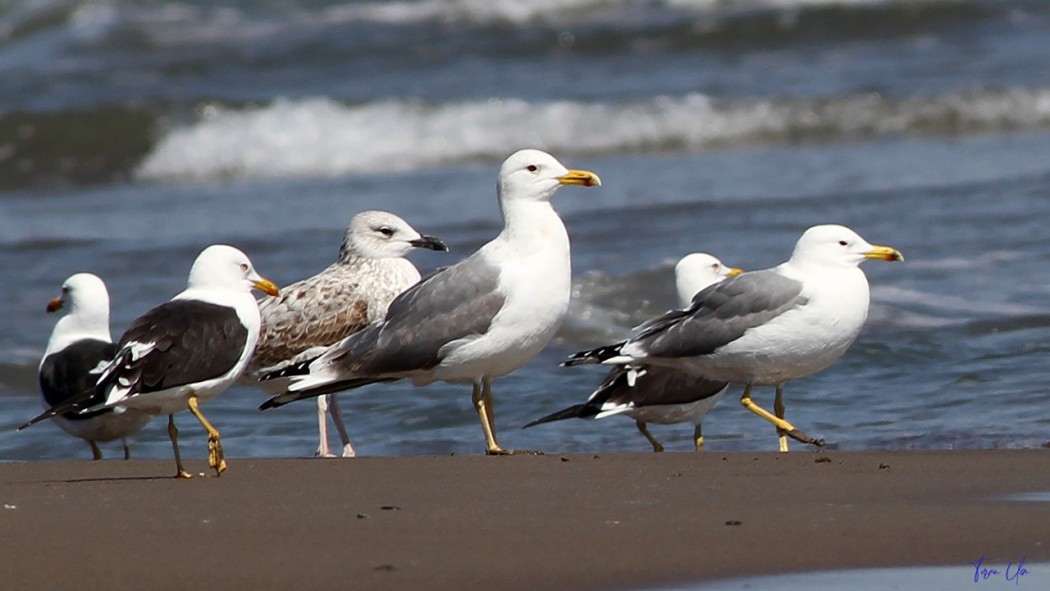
79, 344
474, 321
764, 328
187, 350
655, 394
347, 296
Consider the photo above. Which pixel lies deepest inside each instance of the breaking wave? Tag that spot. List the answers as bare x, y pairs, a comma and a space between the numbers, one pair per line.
322, 137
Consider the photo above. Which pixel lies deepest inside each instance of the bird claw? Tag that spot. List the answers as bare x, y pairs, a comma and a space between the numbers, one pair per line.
798, 435
216, 459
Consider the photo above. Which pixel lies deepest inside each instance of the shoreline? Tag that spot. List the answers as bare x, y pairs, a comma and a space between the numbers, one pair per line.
562, 521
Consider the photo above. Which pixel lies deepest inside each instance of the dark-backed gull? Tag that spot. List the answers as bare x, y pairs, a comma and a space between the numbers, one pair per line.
189, 349
655, 394
765, 328
79, 344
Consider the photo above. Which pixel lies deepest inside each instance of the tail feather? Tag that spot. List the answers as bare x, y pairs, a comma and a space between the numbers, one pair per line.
593, 356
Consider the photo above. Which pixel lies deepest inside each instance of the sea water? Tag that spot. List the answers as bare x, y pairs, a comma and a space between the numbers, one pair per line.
134, 133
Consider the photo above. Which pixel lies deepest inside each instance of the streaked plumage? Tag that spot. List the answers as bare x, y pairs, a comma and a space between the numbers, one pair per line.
477, 320
342, 299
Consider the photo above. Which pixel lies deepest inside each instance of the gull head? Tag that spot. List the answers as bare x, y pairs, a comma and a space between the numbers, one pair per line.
82, 293
224, 266
838, 246
381, 235
697, 271
534, 175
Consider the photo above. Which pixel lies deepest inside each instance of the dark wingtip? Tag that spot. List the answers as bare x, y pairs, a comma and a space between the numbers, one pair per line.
297, 369
31, 422
576, 411
271, 403
61, 408
594, 355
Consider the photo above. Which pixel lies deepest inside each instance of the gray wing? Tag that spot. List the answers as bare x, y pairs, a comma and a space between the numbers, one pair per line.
720, 314
454, 303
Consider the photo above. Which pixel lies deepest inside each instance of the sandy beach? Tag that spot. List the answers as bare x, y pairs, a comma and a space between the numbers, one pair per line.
605, 521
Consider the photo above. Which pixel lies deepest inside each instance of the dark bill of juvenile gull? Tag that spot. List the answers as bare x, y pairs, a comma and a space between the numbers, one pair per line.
765, 328
79, 346
655, 394
474, 321
345, 297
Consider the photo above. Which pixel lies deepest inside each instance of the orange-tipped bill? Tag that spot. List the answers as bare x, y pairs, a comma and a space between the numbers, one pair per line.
266, 286
884, 253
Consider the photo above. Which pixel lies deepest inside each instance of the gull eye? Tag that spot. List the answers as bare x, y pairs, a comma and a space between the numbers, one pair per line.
244, 267
843, 243
532, 168
385, 231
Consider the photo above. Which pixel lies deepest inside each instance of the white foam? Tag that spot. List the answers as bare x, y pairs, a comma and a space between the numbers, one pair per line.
516, 12
471, 11
322, 137
181, 24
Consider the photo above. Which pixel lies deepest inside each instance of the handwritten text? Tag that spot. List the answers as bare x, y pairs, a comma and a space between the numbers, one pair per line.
986, 572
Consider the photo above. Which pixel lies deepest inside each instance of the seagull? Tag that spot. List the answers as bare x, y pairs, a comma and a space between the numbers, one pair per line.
655, 394
764, 328
187, 350
474, 321
79, 343
351, 293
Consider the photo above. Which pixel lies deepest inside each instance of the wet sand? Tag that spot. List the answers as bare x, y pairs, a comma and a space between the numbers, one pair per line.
605, 521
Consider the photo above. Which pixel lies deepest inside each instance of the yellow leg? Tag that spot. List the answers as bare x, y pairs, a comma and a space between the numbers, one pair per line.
652, 440
215, 458
779, 423
173, 434
490, 406
96, 453
698, 437
482, 398
778, 408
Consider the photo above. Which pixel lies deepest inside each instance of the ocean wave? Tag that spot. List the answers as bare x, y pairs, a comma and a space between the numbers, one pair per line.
322, 137
169, 24
576, 11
